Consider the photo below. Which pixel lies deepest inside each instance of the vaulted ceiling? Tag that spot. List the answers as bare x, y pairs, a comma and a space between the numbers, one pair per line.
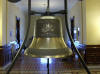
40, 5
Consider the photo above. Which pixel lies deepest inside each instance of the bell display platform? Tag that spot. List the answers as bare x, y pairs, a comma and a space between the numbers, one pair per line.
29, 65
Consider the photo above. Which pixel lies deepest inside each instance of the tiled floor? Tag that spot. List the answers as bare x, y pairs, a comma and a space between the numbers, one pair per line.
28, 65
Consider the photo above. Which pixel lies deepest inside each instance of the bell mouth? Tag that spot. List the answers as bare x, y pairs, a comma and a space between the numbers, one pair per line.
48, 53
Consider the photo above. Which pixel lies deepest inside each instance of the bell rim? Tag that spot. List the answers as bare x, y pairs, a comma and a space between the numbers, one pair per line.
57, 56
62, 55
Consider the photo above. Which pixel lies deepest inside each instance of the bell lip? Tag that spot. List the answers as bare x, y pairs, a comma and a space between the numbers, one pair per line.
49, 56
57, 56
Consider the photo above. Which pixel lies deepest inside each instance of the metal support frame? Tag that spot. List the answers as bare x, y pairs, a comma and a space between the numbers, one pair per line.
25, 40
71, 39
48, 66
48, 5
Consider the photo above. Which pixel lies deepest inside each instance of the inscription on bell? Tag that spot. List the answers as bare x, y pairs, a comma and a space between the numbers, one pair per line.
48, 28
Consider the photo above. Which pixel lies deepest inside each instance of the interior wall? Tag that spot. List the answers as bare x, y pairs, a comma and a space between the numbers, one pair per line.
4, 21
93, 22
0, 22
14, 11
84, 20
71, 3
76, 11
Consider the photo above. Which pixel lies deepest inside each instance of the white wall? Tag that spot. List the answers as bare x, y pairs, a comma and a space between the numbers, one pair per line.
71, 3
76, 11
14, 11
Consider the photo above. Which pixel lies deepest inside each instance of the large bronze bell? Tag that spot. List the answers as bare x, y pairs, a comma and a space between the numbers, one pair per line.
48, 39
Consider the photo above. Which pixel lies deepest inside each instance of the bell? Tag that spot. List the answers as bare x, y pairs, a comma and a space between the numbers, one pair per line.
48, 39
